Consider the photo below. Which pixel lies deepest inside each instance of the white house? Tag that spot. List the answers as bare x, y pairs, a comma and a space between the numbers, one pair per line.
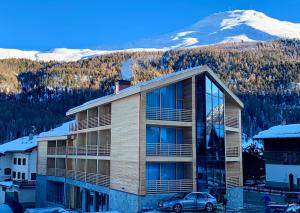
282, 156
18, 172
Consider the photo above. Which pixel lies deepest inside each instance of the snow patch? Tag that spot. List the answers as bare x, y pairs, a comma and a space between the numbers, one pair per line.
56, 132
281, 131
181, 34
238, 38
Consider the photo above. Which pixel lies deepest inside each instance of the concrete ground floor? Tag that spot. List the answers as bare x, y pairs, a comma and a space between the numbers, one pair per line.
85, 197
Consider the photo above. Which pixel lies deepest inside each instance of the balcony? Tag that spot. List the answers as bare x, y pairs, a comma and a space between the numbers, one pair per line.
92, 150
169, 186
169, 114
232, 120
233, 181
232, 152
92, 122
59, 172
169, 150
92, 178
61, 150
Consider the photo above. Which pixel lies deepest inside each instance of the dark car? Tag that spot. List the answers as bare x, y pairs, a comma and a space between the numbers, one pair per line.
292, 197
192, 201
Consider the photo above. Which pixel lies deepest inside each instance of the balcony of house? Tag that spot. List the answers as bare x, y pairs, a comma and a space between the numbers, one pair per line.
89, 171
94, 143
233, 179
170, 105
94, 118
168, 178
232, 122
232, 153
234, 174
56, 167
56, 147
168, 144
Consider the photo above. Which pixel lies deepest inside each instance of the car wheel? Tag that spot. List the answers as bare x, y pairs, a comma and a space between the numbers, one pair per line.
177, 208
209, 207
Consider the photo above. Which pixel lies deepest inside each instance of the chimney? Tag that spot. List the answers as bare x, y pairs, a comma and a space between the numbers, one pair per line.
121, 84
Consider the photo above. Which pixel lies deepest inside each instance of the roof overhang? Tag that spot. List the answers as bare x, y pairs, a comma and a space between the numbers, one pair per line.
152, 84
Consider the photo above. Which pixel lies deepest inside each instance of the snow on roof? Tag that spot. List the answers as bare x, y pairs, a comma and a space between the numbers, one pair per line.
281, 131
19, 145
6, 183
62, 130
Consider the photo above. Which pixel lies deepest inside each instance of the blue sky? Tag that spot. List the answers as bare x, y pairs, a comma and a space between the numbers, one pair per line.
47, 24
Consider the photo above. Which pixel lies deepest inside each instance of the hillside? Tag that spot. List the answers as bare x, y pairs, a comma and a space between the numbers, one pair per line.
265, 75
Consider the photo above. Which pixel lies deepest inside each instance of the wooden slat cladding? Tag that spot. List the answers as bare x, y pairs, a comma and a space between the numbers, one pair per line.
42, 158
125, 144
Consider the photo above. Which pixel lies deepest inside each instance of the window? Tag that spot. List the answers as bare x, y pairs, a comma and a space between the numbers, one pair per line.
7, 171
23, 176
24, 161
33, 176
14, 174
19, 161
19, 175
15, 161
191, 196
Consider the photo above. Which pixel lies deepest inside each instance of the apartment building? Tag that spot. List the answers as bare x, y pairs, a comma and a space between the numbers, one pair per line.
282, 153
174, 134
18, 172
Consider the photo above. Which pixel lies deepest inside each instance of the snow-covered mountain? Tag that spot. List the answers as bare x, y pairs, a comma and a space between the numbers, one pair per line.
224, 27
230, 26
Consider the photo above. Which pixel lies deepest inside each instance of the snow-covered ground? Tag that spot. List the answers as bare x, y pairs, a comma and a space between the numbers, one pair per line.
224, 27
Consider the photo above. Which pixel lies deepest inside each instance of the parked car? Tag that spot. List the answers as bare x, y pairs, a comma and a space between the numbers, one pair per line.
192, 201
292, 197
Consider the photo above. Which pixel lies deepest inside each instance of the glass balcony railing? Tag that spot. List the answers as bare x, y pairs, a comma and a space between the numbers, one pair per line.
92, 122
169, 114
169, 186
232, 151
92, 150
169, 150
89, 177
232, 120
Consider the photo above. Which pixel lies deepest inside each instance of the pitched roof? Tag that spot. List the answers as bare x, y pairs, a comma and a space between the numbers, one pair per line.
19, 145
56, 133
281, 131
151, 84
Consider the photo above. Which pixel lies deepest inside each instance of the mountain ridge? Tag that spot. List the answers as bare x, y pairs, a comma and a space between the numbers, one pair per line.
218, 28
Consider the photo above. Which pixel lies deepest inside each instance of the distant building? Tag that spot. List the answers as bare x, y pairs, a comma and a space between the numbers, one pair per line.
282, 156
18, 172
177, 133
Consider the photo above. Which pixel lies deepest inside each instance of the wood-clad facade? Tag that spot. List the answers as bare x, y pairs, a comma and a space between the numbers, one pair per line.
111, 143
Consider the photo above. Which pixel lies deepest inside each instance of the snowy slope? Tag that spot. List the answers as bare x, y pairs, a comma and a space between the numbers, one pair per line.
230, 26
224, 27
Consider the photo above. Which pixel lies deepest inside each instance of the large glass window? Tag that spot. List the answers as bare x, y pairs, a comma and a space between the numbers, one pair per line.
160, 140
210, 134
162, 102
164, 171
